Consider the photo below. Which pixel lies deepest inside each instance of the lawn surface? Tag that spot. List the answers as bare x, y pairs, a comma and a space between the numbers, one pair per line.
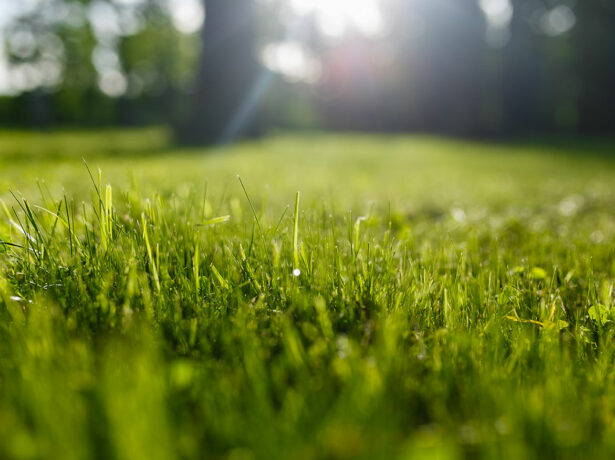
423, 298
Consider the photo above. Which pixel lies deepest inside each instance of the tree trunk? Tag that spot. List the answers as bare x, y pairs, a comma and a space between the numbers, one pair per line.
524, 88
227, 72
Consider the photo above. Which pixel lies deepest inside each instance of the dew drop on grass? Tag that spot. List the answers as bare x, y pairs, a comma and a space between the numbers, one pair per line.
296, 272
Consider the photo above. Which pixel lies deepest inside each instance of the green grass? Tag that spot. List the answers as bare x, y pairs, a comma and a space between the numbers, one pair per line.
453, 300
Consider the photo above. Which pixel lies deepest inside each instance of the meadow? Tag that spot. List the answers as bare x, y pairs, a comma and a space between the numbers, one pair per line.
306, 296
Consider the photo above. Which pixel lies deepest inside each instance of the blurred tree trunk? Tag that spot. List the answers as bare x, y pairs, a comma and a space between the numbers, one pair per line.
443, 73
227, 72
595, 66
523, 74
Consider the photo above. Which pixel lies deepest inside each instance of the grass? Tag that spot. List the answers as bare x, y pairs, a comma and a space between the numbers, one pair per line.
424, 298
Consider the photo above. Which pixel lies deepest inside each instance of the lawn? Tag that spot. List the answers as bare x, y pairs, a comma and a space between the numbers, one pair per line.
419, 298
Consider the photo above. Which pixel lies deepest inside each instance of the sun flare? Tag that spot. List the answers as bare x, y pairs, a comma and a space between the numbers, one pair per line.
336, 17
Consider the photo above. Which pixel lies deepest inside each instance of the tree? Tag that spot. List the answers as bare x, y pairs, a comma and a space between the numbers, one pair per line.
594, 35
441, 53
125, 59
227, 72
523, 84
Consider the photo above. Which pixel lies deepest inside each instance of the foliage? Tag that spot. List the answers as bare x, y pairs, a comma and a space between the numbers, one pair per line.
76, 55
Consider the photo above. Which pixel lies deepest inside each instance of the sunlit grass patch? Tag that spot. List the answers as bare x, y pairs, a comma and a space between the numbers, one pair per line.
418, 297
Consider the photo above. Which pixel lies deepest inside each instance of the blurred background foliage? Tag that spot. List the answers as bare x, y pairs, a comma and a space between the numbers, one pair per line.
458, 67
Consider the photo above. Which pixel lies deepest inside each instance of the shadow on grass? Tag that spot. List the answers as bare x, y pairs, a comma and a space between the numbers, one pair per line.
34, 146
66, 144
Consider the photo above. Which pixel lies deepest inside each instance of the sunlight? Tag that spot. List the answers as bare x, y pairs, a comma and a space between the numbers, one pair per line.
336, 17
291, 60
